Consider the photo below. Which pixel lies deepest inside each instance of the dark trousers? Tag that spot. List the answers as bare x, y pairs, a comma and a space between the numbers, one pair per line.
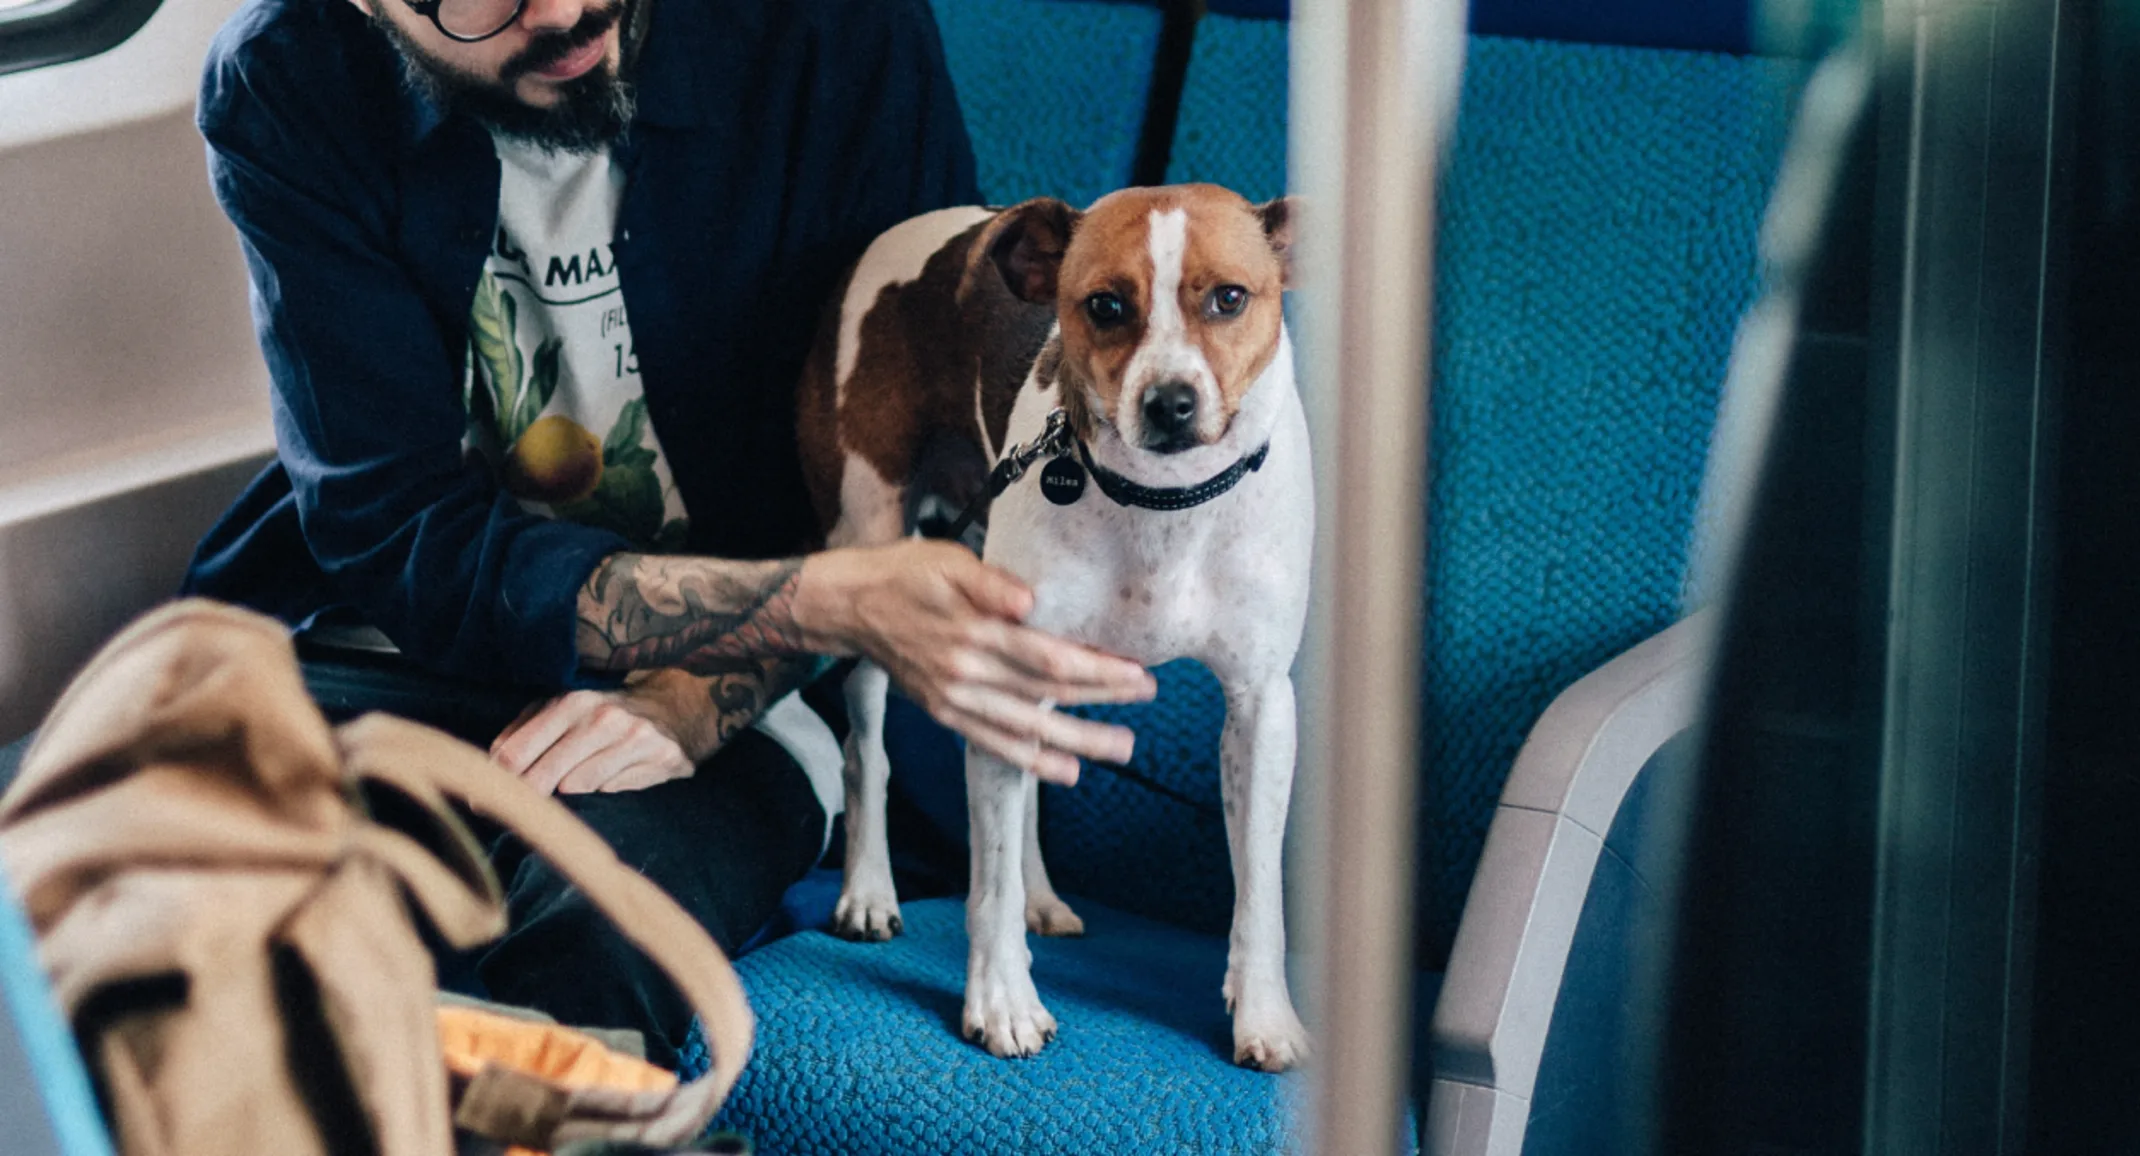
724, 843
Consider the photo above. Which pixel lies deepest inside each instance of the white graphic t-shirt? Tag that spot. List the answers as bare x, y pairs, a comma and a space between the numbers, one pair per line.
554, 398
553, 394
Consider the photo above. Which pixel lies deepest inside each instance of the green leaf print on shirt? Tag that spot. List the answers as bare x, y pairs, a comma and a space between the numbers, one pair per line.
491, 322
541, 385
629, 433
628, 499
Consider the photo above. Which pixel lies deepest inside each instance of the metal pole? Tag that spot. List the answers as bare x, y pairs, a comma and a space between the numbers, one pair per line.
1375, 85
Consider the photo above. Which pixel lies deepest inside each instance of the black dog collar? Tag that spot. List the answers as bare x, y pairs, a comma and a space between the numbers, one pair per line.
1129, 493
1055, 443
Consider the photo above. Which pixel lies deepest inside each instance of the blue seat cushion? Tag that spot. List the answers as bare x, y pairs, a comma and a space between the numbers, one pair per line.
1149, 837
1596, 249
859, 1049
1231, 127
1053, 91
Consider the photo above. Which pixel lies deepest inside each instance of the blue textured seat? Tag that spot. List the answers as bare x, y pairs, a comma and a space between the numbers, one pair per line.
860, 1050
1053, 91
1596, 250
1231, 129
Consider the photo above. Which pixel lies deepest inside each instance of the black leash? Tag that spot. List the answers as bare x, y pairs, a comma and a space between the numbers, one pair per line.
1063, 480
1054, 441
1158, 788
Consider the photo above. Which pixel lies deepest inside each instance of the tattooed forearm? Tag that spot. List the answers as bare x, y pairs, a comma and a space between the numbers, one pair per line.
740, 696
704, 615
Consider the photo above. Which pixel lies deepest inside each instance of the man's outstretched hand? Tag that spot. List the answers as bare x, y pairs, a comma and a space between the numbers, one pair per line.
950, 631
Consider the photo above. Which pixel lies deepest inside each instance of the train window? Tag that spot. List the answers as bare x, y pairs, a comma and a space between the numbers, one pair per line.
34, 33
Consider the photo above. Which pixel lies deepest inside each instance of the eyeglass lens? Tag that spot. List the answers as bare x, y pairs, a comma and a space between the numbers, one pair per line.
476, 19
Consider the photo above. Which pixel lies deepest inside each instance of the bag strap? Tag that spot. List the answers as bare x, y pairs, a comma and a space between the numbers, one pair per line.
427, 763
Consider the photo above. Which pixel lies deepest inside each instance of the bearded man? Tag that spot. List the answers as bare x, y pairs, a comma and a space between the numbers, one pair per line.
534, 280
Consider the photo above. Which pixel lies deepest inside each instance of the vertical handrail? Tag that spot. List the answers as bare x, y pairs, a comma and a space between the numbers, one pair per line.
1374, 94
1968, 319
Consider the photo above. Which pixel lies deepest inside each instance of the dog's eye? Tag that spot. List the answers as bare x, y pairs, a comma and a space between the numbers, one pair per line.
1226, 301
1106, 309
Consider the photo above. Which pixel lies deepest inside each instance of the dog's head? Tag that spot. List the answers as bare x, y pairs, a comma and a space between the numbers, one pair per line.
1169, 301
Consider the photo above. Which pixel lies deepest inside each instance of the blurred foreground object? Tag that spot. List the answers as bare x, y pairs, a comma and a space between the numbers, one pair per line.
220, 886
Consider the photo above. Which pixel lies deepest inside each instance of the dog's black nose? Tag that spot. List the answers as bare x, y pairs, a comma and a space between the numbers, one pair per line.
1170, 409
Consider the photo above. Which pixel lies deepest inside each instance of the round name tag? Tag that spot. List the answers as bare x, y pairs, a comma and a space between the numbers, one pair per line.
1063, 481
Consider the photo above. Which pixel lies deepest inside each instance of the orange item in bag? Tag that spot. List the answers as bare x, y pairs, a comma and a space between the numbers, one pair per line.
473, 1039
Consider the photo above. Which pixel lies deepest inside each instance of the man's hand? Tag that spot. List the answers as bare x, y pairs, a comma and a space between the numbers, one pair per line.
949, 629
946, 626
591, 740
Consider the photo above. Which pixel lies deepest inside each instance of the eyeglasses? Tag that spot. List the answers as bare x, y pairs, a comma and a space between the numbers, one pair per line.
469, 20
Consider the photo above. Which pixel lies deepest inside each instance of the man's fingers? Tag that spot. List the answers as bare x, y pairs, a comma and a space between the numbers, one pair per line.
518, 746
1029, 721
642, 759
1071, 674
586, 741
1100, 742
992, 590
1023, 752
520, 720
589, 737
591, 773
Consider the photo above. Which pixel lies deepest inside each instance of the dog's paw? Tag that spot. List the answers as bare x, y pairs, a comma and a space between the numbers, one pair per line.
1006, 1017
1269, 1040
1049, 915
867, 915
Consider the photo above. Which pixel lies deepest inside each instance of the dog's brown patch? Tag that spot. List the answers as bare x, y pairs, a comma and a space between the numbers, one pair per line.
816, 422
1110, 251
1228, 244
924, 347
1024, 246
1073, 392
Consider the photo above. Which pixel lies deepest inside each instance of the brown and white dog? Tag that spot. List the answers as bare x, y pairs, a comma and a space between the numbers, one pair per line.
1154, 321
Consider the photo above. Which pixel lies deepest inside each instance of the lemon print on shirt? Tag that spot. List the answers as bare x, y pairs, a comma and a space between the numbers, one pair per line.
549, 460
555, 461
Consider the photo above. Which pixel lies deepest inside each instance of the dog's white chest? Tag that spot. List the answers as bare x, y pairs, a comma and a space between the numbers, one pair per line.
1223, 582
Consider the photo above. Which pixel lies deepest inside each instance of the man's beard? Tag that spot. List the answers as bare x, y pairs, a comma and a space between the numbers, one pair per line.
591, 112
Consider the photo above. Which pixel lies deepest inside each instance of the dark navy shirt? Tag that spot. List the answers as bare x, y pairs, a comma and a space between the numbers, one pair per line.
773, 140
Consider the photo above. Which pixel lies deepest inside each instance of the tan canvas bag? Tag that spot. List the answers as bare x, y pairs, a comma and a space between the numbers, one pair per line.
221, 883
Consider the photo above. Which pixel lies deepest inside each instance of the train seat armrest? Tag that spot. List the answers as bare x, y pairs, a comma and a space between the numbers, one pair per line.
1567, 786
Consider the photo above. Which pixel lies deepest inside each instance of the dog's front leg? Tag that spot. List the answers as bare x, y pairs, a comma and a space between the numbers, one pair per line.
1256, 766
1003, 1010
869, 904
1045, 911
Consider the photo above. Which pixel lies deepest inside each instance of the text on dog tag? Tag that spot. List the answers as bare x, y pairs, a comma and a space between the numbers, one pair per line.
1063, 481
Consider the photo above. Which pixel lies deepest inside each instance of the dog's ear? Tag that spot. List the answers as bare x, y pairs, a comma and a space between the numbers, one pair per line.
1277, 216
1025, 244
